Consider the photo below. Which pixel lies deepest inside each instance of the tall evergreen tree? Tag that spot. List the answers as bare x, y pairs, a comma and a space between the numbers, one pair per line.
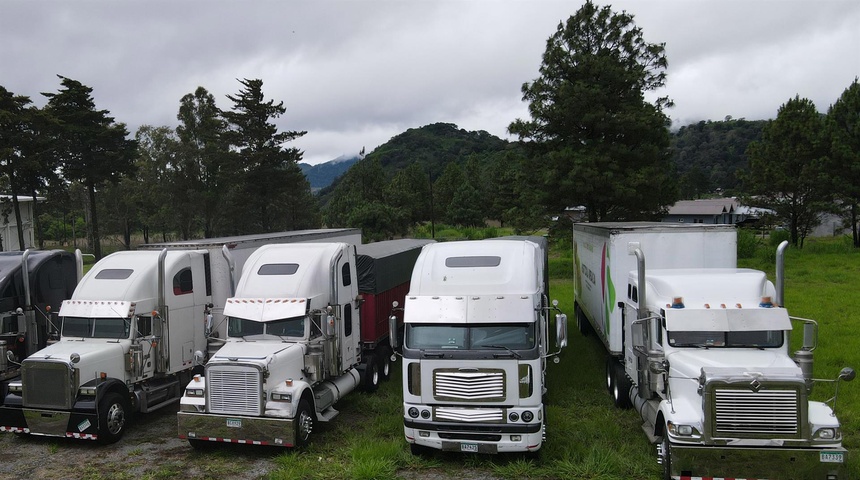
843, 127
594, 138
788, 168
271, 191
91, 146
205, 161
14, 139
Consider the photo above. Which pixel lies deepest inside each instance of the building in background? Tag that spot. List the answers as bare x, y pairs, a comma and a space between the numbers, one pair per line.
9, 225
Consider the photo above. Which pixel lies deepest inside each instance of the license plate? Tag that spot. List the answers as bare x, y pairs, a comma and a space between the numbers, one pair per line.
831, 457
469, 447
234, 422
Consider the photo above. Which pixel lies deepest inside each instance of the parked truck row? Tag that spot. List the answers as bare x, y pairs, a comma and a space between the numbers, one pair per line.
701, 349
128, 334
258, 337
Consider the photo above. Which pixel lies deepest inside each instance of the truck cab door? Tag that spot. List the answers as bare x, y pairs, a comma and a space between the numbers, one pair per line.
647, 351
143, 351
348, 330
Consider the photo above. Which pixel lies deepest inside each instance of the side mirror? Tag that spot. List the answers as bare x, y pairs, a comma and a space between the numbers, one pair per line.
392, 332
561, 330
847, 374
199, 358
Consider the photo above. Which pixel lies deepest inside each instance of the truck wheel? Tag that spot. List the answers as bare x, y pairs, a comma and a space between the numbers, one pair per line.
113, 417
620, 387
370, 381
304, 424
610, 376
665, 456
384, 355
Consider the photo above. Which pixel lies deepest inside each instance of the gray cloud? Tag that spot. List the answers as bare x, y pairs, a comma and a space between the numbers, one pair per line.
355, 73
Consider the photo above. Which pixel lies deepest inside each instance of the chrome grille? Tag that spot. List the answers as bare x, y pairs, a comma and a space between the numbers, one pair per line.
486, 384
47, 384
234, 389
485, 415
746, 413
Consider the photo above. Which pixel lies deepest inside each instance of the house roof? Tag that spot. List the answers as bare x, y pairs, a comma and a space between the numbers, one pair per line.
709, 206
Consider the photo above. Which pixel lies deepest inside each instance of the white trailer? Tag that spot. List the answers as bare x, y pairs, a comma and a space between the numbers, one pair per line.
475, 347
701, 349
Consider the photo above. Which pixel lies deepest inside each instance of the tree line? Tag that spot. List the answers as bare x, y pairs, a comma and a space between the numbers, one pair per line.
219, 172
591, 140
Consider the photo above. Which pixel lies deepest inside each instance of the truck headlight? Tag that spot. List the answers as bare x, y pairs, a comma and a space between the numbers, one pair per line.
528, 416
828, 433
87, 391
282, 397
194, 392
682, 430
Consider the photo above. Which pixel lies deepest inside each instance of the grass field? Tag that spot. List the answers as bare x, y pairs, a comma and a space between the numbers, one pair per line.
587, 438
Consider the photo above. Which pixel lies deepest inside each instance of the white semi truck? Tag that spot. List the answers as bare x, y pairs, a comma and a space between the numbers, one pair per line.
475, 347
701, 349
304, 329
32, 284
129, 335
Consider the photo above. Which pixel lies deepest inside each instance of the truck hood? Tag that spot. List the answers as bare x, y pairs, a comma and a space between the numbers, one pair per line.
95, 357
254, 352
689, 363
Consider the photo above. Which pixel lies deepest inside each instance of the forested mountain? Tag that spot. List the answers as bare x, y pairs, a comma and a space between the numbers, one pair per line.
430, 148
321, 175
708, 155
433, 146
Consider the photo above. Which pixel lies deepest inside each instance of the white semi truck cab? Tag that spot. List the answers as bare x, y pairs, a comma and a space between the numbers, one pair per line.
128, 337
475, 347
292, 350
704, 354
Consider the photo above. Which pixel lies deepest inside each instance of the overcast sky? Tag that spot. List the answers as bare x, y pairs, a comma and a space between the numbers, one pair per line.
355, 73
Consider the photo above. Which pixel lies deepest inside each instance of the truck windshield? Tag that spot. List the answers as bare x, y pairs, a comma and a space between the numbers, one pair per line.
747, 339
96, 327
518, 336
285, 327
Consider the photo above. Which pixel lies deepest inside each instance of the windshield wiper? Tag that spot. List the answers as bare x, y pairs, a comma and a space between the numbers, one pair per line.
515, 354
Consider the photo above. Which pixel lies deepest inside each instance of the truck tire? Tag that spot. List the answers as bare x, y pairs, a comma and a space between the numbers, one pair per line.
665, 456
370, 379
384, 356
304, 423
609, 376
621, 386
113, 417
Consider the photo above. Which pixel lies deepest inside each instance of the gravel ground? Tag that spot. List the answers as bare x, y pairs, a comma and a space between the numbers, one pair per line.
152, 449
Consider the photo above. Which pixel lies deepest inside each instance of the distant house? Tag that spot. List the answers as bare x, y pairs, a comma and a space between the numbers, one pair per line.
9, 227
713, 211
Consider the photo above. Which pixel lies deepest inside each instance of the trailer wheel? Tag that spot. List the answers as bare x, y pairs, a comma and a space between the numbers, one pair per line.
304, 424
620, 386
664, 455
370, 381
384, 354
113, 417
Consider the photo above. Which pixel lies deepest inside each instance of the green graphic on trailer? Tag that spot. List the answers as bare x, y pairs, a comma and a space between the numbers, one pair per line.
608, 290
